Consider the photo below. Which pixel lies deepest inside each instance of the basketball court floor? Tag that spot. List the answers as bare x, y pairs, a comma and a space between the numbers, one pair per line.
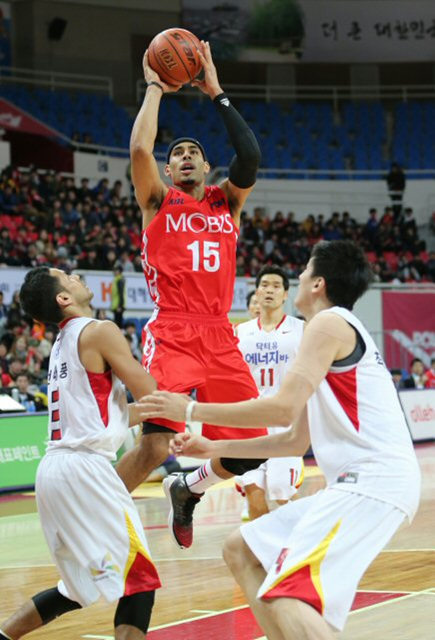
199, 599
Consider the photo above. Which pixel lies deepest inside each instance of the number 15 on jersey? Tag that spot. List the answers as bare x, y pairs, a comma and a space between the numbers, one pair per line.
205, 255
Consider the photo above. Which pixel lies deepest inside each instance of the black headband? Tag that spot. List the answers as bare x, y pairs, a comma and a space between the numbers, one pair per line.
174, 143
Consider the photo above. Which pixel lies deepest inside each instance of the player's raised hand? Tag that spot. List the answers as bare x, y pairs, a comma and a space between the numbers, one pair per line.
152, 76
163, 404
187, 444
209, 83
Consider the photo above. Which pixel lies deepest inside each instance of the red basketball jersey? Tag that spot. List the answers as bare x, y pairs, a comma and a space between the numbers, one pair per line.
189, 253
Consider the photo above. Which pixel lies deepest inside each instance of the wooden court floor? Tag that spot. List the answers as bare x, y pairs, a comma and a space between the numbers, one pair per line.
199, 599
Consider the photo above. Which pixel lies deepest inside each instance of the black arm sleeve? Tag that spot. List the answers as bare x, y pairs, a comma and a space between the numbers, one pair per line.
244, 165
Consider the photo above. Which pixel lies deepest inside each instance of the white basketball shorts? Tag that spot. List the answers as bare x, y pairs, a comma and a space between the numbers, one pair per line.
278, 477
92, 528
316, 549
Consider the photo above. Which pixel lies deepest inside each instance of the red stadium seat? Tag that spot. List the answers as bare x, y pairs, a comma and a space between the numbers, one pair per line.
391, 259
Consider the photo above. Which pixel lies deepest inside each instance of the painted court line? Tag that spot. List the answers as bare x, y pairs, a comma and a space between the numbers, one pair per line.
408, 550
397, 599
239, 621
24, 566
212, 612
191, 558
196, 618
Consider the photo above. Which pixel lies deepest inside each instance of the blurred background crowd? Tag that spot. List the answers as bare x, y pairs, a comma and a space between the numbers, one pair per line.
46, 219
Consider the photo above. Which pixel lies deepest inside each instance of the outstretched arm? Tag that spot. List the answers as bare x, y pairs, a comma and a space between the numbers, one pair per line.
150, 190
293, 442
244, 165
281, 409
327, 337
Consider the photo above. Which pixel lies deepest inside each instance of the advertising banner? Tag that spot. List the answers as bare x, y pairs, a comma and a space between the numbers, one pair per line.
138, 296
419, 409
13, 118
374, 30
100, 282
22, 444
409, 327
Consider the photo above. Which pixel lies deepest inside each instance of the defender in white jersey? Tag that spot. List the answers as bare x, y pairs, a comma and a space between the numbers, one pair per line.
299, 566
269, 344
89, 520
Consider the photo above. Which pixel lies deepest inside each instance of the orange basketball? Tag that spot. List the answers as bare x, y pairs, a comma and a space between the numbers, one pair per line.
173, 54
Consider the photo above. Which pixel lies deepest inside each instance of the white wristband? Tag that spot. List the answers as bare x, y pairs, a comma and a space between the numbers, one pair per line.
189, 410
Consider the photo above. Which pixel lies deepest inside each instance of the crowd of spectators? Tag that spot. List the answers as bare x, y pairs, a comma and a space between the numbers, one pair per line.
418, 377
391, 242
47, 219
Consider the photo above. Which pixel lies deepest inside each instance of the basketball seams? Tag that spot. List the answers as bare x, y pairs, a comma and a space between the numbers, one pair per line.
175, 51
167, 55
194, 41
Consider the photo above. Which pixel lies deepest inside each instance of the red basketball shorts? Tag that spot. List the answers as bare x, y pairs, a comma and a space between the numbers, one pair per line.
185, 352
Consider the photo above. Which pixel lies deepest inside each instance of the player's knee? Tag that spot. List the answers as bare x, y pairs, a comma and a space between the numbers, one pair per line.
257, 508
51, 604
233, 552
155, 446
135, 610
239, 467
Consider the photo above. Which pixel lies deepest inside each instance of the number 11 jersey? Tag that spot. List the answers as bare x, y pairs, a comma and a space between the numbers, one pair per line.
270, 354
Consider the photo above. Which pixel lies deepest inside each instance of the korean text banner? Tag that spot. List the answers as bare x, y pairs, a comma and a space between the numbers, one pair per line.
23, 440
370, 31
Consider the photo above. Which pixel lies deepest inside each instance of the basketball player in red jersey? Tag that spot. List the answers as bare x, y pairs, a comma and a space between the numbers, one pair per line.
188, 253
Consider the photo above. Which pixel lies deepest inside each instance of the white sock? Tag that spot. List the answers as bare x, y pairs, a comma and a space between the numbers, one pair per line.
203, 478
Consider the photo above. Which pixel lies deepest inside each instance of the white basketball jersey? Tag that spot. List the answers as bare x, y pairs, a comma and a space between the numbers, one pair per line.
87, 410
269, 354
359, 434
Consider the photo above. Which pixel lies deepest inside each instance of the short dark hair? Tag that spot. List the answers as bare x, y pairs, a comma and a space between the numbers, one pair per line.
345, 268
248, 297
273, 269
414, 360
178, 141
38, 295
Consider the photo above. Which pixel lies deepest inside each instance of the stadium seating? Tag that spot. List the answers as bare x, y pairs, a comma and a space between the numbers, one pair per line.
300, 135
